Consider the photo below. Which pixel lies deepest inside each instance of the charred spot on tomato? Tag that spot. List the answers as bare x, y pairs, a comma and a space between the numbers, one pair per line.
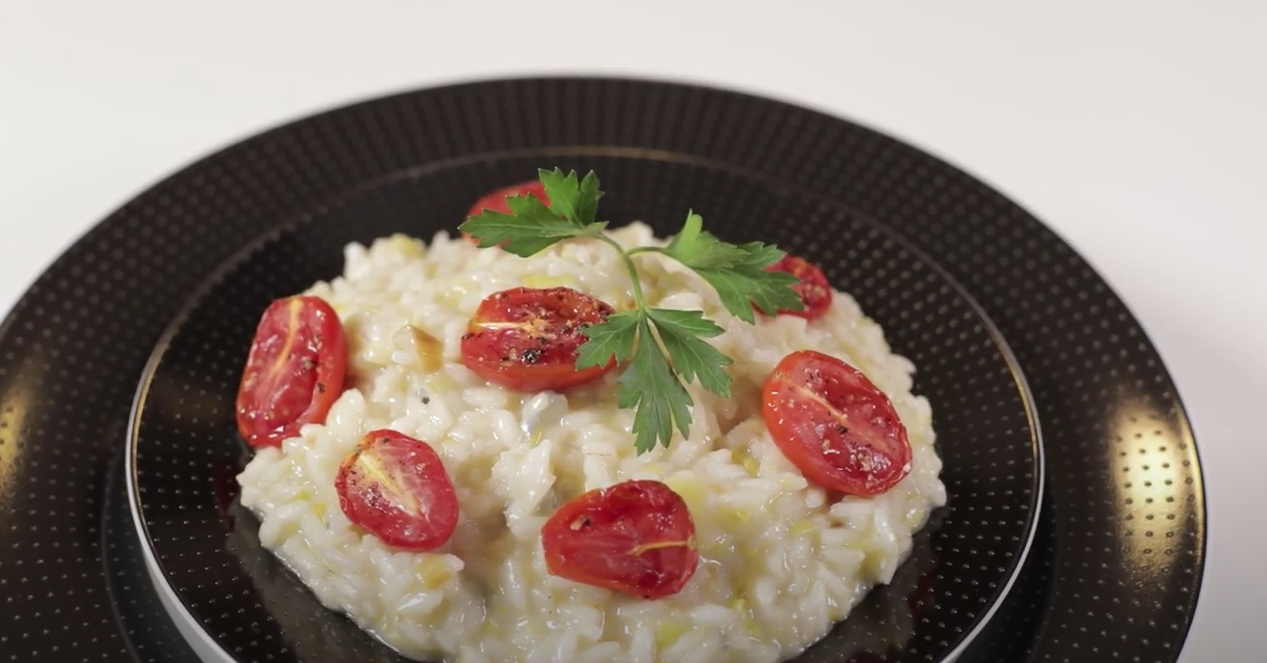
531, 356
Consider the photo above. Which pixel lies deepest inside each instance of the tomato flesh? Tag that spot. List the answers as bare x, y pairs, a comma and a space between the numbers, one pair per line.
527, 338
814, 289
496, 200
835, 425
294, 371
396, 488
635, 537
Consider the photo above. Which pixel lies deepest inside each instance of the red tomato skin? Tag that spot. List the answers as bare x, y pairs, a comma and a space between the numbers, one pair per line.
634, 537
294, 372
835, 425
496, 200
396, 488
814, 289
526, 339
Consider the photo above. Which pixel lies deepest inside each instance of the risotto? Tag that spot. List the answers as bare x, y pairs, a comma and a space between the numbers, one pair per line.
780, 558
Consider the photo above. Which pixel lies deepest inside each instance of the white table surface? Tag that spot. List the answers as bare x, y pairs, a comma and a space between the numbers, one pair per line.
1138, 130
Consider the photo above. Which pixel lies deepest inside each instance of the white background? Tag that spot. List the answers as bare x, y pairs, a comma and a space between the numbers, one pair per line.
1137, 129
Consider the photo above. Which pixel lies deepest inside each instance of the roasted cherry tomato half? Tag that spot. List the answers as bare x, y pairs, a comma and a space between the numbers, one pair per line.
496, 201
527, 338
294, 371
635, 537
834, 424
396, 488
814, 289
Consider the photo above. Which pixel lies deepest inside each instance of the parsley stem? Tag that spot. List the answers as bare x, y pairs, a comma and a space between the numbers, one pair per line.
630, 267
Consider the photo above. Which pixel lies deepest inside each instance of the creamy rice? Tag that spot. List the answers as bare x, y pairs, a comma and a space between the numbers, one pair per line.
779, 563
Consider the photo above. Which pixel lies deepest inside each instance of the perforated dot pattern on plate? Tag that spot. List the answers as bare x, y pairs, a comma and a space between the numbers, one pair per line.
187, 453
1107, 580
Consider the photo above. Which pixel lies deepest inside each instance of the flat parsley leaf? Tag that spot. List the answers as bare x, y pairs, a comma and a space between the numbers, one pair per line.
737, 272
650, 385
587, 204
573, 199
529, 228
563, 192
614, 337
747, 283
698, 249
681, 333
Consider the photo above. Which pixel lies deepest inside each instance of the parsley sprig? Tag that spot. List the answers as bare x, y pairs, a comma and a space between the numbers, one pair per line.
662, 349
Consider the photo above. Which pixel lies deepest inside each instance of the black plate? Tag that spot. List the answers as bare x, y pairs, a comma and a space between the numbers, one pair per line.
1119, 552
187, 453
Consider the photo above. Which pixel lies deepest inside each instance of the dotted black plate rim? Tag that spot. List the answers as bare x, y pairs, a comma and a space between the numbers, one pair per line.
208, 645
1056, 627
